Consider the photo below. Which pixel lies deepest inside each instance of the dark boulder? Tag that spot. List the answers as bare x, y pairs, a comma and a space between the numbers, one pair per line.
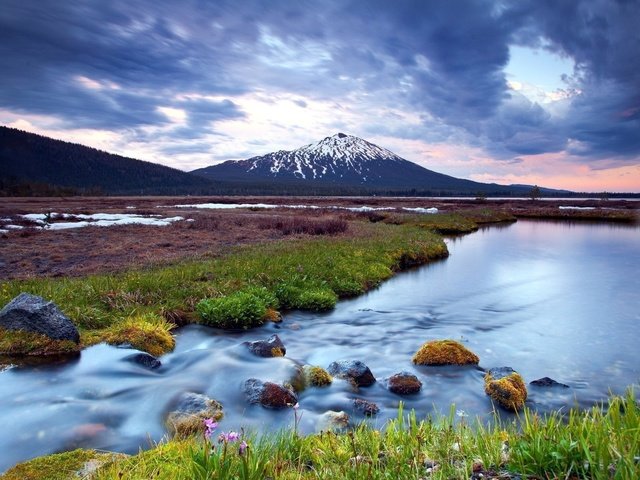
547, 382
144, 359
272, 347
365, 407
404, 383
34, 314
269, 394
353, 370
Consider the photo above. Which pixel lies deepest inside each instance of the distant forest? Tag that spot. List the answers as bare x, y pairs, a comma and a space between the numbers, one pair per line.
34, 165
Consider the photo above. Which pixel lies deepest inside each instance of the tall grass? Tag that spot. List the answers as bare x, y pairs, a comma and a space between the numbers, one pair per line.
601, 443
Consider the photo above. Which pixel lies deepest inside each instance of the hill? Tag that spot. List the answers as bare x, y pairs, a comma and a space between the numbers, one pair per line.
31, 163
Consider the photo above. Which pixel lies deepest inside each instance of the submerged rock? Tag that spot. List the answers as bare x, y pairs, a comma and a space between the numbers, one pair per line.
366, 407
269, 394
353, 370
316, 376
331, 421
404, 383
34, 314
272, 347
189, 414
547, 382
444, 352
505, 387
144, 359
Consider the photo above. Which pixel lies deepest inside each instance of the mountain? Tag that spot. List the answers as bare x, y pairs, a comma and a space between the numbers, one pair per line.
29, 161
349, 162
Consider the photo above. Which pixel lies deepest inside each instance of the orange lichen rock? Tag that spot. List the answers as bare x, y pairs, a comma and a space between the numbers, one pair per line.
444, 352
505, 387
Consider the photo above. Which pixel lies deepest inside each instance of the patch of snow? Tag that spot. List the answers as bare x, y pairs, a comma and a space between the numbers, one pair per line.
576, 208
13, 227
223, 206
97, 220
2, 230
129, 207
421, 210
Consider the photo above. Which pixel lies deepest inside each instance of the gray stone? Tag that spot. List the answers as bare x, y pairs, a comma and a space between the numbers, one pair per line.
547, 382
144, 359
34, 314
353, 370
272, 347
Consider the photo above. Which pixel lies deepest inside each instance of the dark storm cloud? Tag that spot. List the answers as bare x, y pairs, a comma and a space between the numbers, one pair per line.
442, 61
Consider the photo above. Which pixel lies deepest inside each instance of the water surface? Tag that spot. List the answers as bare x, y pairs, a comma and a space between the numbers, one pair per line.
548, 299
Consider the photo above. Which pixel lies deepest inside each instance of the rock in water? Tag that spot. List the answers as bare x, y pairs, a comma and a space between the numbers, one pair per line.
190, 412
505, 386
366, 407
144, 360
353, 370
547, 382
404, 383
444, 352
34, 314
272, 347
269, 394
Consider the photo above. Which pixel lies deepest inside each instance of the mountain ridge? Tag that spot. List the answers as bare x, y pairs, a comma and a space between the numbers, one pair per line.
349, 161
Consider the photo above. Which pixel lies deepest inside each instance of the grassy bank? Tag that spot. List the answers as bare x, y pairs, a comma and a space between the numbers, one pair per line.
240, 289
601, 443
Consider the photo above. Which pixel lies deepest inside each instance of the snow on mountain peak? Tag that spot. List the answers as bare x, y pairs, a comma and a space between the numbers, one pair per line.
337, 156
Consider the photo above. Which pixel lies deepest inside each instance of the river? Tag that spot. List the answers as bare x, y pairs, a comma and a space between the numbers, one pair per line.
556, 299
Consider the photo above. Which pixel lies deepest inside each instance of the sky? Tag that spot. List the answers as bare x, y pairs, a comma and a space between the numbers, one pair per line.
542, 92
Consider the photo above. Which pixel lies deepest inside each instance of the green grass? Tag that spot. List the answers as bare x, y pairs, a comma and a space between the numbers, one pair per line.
239, 289
600, 443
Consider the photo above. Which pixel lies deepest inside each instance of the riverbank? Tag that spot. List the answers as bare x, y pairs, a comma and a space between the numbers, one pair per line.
601, 443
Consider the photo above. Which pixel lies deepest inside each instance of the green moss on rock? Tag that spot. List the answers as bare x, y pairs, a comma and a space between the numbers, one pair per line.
444, 352
22, 343
505, 387
317, 376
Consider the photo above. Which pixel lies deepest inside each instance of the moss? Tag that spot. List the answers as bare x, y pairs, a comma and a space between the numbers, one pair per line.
444, 352
317, 376
277, 352
149, 333
20, 342
272, 315
60, 466
183, 426
510, 391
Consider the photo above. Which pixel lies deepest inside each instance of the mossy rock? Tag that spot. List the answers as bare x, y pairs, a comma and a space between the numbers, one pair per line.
505, 387
23, 343
444, 352
316, 376
60, 466
148, 333
191, 411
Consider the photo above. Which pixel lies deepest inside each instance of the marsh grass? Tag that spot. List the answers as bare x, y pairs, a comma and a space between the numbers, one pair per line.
301, 273
600, 443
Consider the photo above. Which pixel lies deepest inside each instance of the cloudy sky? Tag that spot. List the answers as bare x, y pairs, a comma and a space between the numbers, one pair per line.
527, 91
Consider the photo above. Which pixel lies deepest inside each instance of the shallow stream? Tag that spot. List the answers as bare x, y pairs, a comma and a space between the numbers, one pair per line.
548, 299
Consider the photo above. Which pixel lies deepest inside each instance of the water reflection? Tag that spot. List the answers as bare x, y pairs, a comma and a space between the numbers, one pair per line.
546, 298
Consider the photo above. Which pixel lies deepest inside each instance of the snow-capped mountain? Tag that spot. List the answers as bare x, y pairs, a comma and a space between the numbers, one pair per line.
341, 160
